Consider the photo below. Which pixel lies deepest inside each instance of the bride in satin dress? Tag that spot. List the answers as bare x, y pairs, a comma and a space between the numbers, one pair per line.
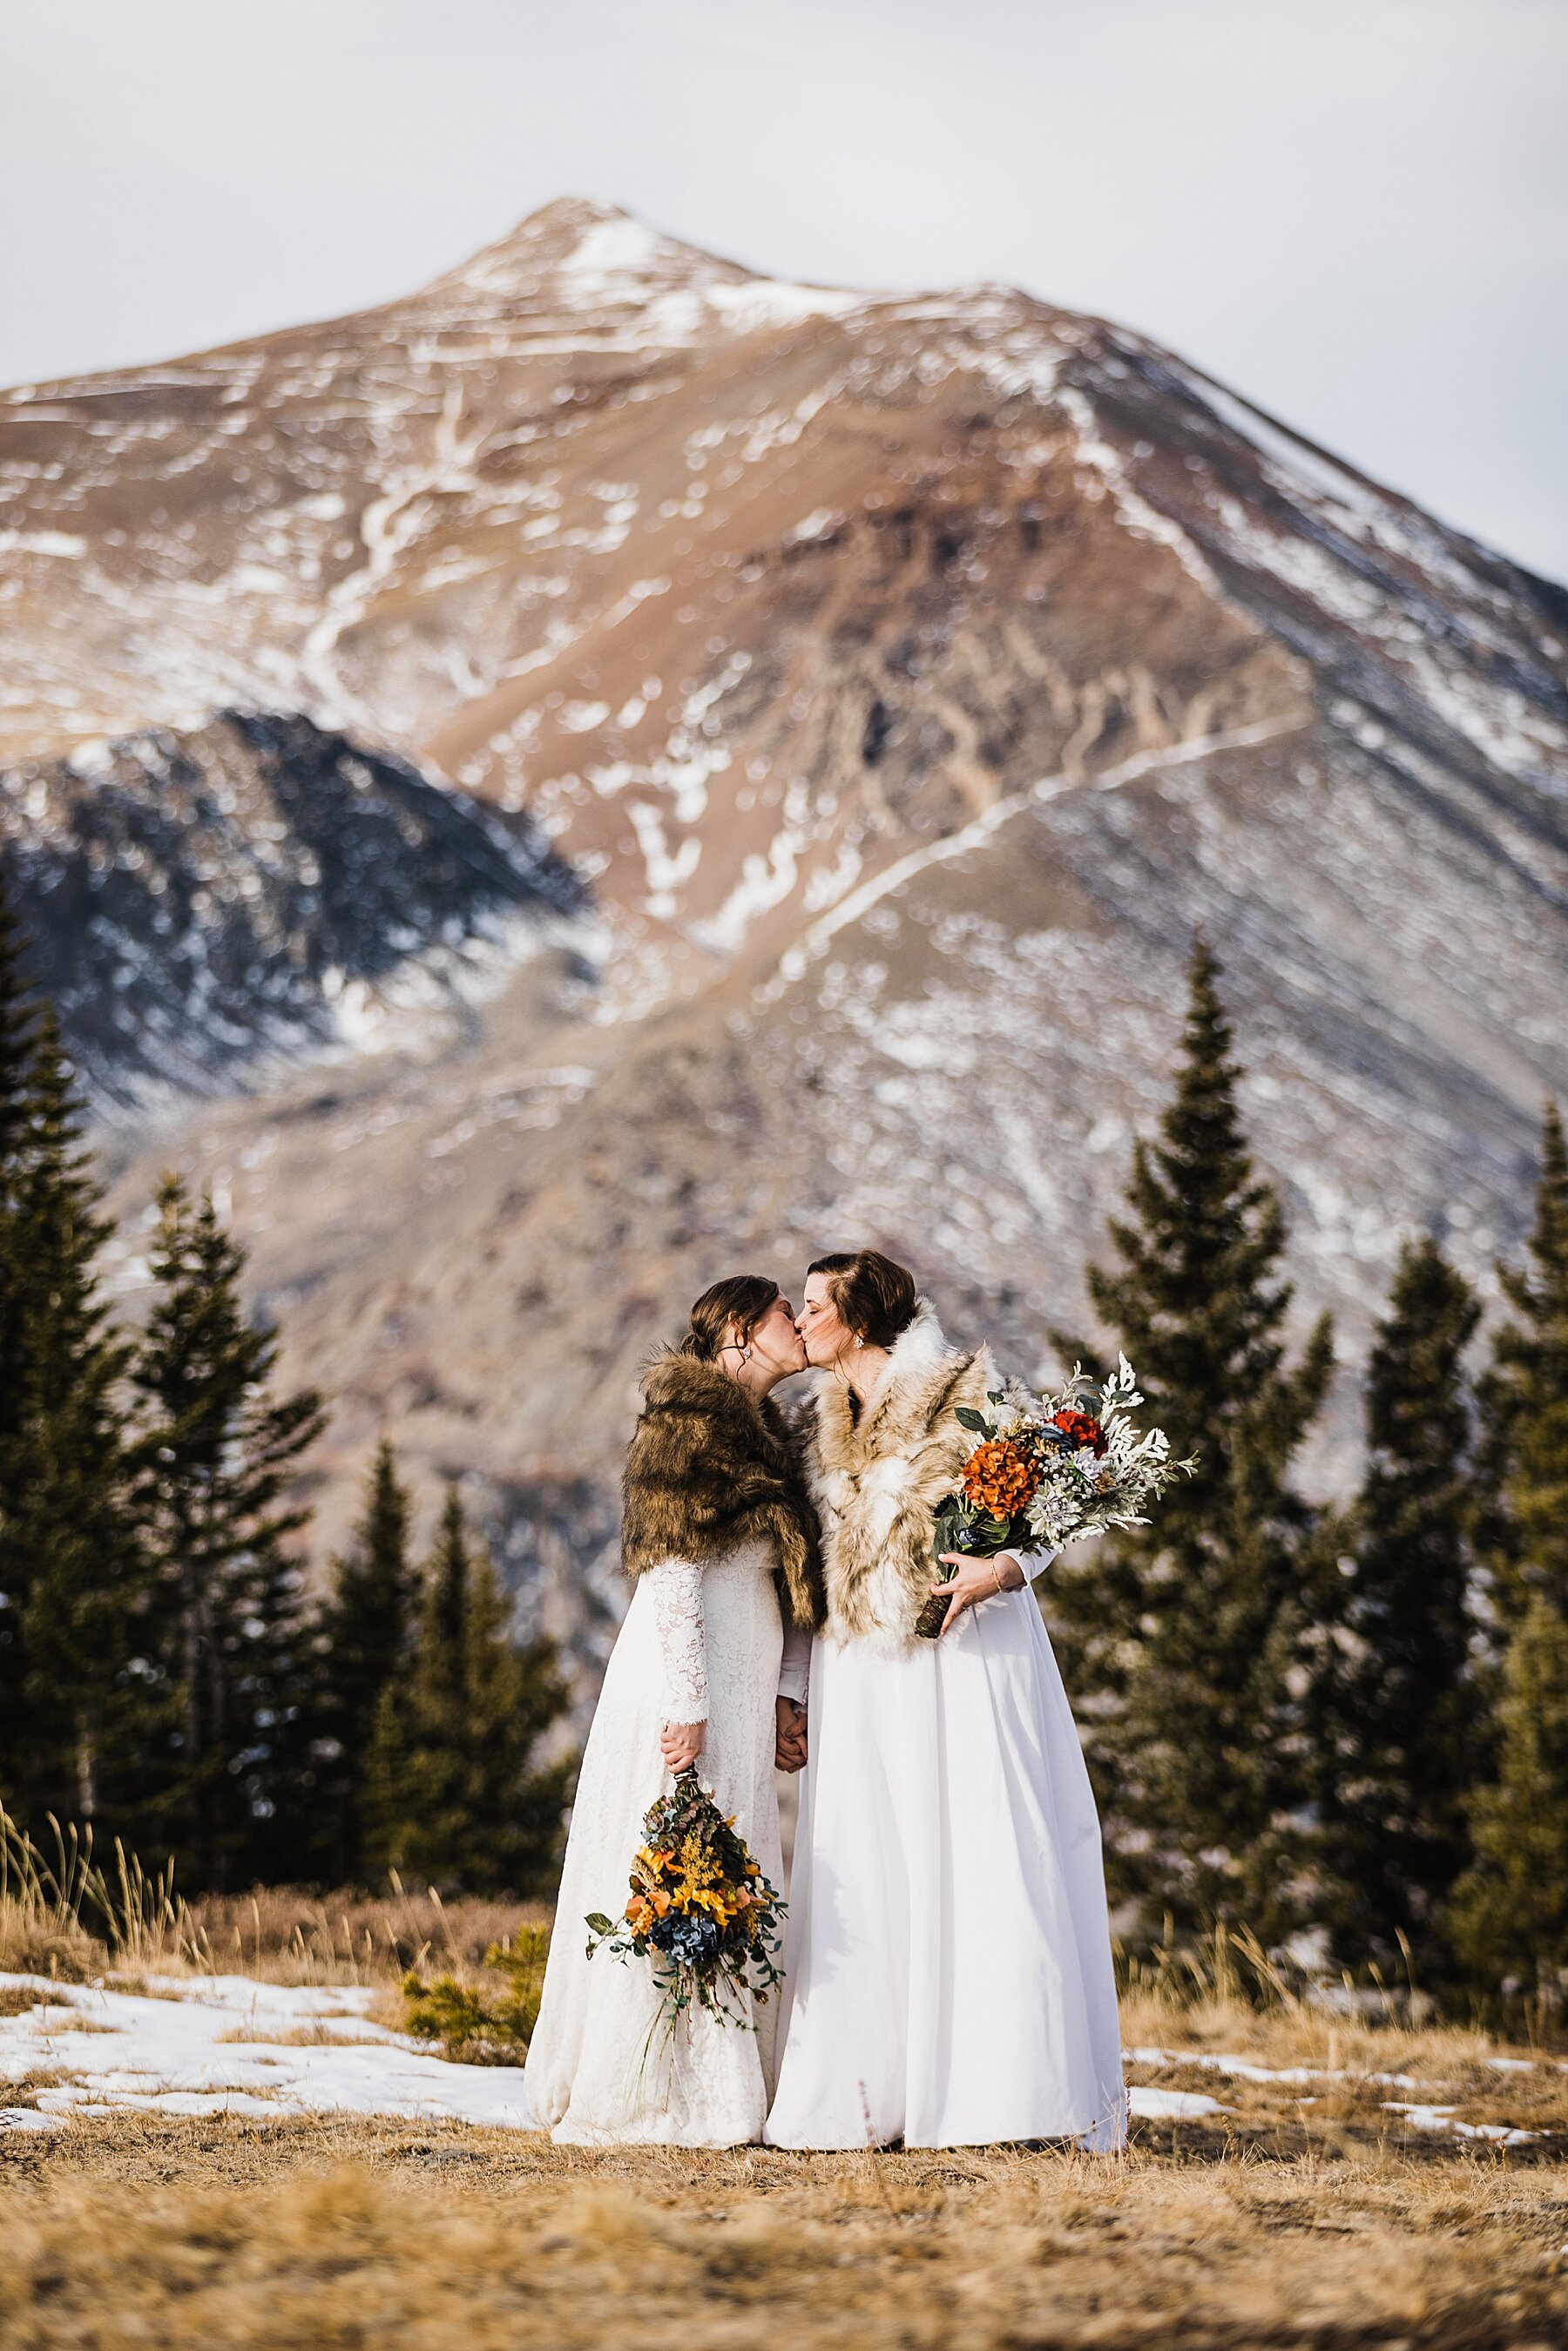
947, 1961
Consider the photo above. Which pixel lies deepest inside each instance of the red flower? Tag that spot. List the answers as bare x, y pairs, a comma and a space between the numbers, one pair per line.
1082, 1428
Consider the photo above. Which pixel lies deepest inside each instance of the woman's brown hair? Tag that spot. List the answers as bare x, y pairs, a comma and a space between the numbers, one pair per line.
743, 1300
876, 1296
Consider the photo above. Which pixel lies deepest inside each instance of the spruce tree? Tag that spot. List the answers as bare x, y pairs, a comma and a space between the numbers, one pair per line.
1510, 1914
1402, 1711
451, 1795
66, 1531
1188, 1635
17, 1027
1524, 1399
368, 1626
1509, 1919
215, 1457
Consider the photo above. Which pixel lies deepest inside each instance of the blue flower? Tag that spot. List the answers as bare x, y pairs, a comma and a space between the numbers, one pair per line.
689, 1942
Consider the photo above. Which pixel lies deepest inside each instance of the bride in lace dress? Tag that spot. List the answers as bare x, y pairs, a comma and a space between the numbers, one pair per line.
720, 1540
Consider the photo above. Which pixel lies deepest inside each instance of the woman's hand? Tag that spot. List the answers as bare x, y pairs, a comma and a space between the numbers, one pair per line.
789, 1735
977, 1580
680, 1743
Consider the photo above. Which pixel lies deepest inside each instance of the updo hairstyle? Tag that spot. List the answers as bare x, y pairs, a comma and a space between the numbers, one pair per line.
743, 1300
876, 1297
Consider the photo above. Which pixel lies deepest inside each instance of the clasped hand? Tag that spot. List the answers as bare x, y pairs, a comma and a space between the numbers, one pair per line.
680, 1743
977, 1580
789, 1735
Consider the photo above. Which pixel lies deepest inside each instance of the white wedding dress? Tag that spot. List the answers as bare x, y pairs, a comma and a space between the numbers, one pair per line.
698, 1644
948, 1959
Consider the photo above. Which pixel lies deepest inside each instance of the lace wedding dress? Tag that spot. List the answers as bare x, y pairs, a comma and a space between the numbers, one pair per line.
698, 1644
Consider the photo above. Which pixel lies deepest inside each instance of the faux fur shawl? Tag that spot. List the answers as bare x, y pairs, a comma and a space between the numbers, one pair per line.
877, 1481
710, 1469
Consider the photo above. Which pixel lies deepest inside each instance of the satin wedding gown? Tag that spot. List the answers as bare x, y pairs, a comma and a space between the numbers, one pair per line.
697, 1643
949, 1976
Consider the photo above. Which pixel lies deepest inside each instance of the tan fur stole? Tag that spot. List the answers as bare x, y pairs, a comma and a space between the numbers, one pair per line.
708, 1470
876, 1482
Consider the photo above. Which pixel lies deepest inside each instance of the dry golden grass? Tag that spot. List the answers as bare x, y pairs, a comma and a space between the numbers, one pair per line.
348, 2232
63, 1913
287, 1935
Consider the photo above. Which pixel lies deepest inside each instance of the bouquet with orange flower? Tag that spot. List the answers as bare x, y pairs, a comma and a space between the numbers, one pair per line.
699, 1908
1045, 1470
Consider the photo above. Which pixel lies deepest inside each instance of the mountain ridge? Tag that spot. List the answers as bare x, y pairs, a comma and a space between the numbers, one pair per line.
900, 677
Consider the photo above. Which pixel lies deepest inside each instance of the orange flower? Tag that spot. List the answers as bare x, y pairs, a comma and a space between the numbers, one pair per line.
998, 1478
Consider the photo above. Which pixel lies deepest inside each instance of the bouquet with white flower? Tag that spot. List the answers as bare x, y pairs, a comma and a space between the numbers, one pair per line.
1046, 1470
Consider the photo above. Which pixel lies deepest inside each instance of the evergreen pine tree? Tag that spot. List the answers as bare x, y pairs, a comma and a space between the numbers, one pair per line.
1524, 1399
17, 1026
215, 1458
1190, 1633
451, 1795
1509, 1913
1509, 1919
67, 1532
1403, 1711
367, 1631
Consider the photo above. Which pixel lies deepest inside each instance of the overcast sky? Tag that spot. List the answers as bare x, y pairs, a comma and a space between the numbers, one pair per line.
1355, 212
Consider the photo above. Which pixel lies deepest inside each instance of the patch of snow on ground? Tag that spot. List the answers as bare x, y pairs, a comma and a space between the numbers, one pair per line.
1441, 2118
1171, 2106
1238, 2069
170, 2055
1419, 2116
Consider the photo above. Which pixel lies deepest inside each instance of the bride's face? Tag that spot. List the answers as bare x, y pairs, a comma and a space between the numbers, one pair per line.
775, 1341
824, 1334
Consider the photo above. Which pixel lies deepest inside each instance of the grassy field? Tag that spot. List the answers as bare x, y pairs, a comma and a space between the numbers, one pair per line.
1315, 2209
128, 2230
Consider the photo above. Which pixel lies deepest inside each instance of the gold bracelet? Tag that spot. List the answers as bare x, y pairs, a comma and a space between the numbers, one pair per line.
997, 1571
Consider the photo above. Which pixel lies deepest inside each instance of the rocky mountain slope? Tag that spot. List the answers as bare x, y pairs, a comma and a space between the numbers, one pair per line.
203, 905
900, 679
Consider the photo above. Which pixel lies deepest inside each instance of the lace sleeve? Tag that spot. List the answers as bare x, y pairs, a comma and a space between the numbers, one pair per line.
678, 1613
795, 1664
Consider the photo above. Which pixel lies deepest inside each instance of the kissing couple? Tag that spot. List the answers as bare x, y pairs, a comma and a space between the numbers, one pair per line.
947, 1976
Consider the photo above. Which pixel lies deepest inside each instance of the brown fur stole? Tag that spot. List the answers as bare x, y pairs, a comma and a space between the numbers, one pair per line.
710, 1469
